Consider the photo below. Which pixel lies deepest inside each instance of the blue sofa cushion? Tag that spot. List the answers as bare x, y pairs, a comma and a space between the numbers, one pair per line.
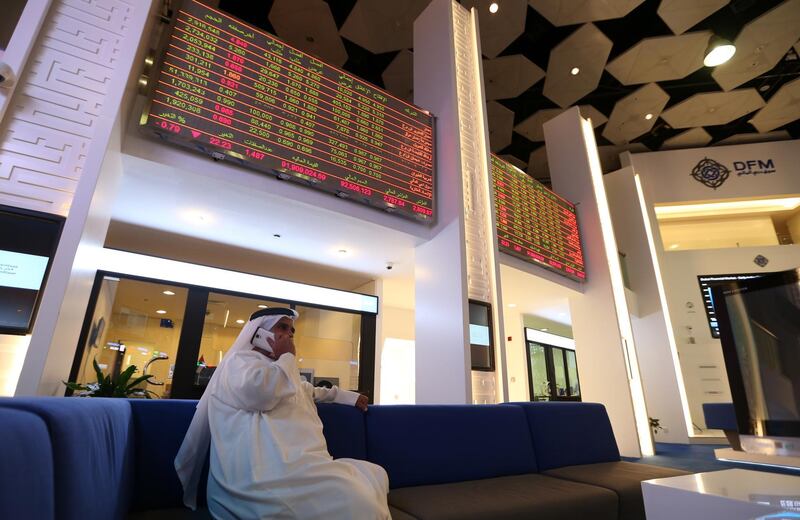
343, 427
567, 434
159, 428
720, 416
26, 467
436, 444
92, 453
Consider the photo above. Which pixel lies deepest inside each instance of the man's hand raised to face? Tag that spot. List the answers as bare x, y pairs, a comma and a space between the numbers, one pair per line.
284, 338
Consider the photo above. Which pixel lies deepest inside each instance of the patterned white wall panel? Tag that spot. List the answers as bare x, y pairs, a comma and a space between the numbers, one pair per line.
53, 114
473, 158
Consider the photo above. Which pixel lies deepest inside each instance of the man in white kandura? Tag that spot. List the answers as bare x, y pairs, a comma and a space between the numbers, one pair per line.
269, 458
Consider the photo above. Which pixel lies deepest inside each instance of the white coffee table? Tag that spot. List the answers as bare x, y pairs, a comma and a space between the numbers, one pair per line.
730, 494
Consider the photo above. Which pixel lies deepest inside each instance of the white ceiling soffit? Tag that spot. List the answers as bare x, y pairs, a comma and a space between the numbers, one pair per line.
693, 138
609, 155
498, 30
713, 108
587, 49
509, 76
682, 15
398, 78
309, 26
780, 135
660, 59
501, 125
783, 107
380, 26
532, 126
760, 45
538, 168
629, 118
570, 12
516, 161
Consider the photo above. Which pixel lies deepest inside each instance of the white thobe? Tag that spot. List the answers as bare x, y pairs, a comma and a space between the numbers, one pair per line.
269, 458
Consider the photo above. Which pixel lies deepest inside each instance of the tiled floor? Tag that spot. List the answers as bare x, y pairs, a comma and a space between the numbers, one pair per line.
698, 458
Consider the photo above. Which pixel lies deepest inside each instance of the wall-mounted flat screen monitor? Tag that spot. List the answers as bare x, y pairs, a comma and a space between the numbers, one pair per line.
535, 224
707, 281
481, 336
759, 324
231, 90
28, 242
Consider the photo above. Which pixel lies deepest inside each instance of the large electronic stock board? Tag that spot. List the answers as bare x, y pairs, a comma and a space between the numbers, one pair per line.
535, 224
231, 90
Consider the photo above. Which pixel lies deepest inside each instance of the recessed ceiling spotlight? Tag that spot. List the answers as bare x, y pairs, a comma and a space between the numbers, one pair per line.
161, 311
763, 88
168, 293
544, 329
262, 306
574, 71
239, 321
719, 51
512, 305
674, 246
648, 116
493, 7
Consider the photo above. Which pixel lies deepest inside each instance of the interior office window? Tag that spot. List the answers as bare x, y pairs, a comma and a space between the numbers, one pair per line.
134, 323
225, 317
540, 384
328, 347
553, 373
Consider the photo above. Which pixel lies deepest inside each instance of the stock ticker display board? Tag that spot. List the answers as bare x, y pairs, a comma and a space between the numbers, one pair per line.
535, 224
238, 93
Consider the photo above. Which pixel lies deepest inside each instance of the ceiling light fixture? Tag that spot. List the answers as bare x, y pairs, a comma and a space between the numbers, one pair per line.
575, 71
161, 311
719, 51
512, 305
240, 322
648, 116
262, 306
493, 7
168, 293
544, 329
715, 209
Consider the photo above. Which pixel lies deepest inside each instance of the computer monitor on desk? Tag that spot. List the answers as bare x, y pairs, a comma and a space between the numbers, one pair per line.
759, 324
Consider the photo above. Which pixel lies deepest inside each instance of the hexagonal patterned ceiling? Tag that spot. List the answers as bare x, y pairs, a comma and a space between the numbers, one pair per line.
633, 57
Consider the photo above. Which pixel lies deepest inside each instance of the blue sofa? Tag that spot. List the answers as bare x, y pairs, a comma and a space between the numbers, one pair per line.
70, 458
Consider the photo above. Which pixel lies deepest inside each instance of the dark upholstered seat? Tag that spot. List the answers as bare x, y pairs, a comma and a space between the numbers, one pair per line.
624, 478
521, 497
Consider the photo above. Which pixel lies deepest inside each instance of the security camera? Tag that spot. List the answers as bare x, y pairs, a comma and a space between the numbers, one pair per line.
7, 76
389, 266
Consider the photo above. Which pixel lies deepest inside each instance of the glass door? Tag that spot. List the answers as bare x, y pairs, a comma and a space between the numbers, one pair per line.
553, 373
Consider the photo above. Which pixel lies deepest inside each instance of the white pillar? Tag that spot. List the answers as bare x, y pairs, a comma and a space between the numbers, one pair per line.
62, 121
655, 344
459, 262
604, 341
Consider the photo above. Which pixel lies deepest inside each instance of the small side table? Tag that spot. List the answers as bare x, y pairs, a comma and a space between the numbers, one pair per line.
731, 494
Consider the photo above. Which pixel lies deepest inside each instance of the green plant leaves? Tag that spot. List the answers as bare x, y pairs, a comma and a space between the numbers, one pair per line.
121, 386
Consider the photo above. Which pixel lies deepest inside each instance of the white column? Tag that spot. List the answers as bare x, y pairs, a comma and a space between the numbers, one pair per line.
655, 345
59, 154
604, 341
459, 262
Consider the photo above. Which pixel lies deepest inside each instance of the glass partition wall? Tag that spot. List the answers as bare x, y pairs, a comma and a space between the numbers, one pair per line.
180, 334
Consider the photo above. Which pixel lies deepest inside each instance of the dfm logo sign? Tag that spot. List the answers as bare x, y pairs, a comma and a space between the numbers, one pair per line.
714, 174
754, 167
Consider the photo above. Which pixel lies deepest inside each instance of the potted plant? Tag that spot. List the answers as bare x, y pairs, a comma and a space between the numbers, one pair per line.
121, 386
655, 427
